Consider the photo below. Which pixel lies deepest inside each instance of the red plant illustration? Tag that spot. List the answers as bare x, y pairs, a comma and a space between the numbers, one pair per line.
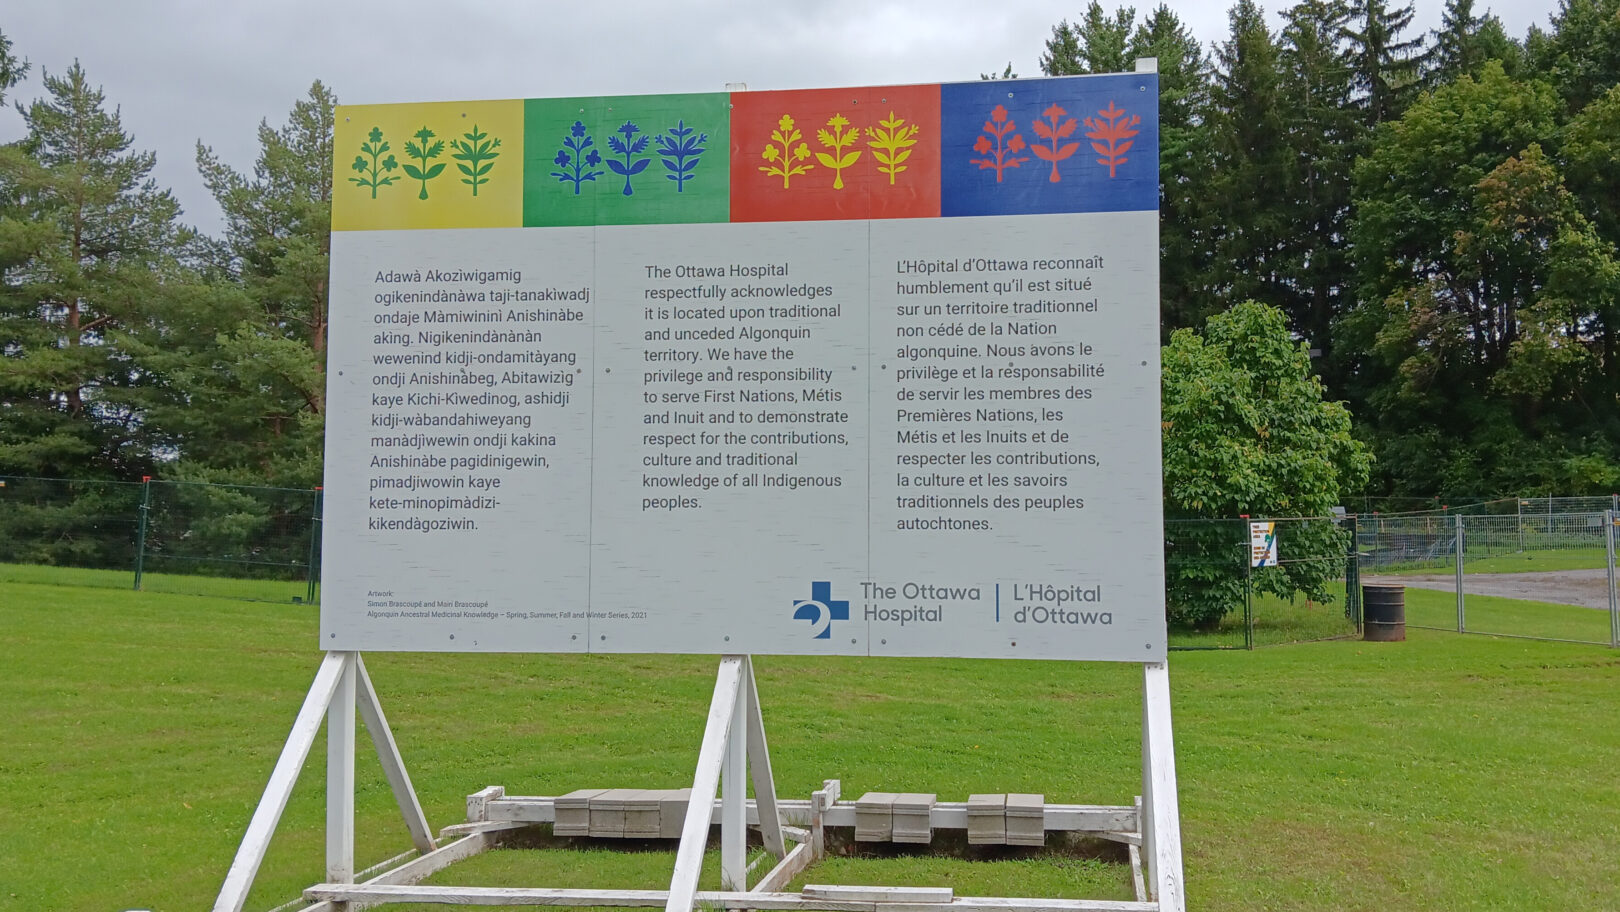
1052, 131
1113, 131
999, 126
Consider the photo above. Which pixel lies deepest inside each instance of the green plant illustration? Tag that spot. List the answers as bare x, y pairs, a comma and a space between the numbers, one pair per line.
475, 156
373, 174
424, 153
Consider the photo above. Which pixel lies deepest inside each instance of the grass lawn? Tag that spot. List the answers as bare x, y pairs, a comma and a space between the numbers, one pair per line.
1276, 621
1538, 561
1510, 617
260, 590
1445, 772
1532, 561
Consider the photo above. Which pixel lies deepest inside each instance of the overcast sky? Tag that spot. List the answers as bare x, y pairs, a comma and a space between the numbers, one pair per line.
183, 70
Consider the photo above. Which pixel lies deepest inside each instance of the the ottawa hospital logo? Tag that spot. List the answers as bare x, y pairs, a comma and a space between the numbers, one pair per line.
820, 609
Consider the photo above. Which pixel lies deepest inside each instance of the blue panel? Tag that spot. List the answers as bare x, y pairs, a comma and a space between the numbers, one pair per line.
1083, 127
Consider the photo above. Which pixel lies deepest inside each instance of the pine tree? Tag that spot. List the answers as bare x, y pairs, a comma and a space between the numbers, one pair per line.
12, 70
1095, 44
1062, 57
88, 248
1385, 67
1464, 42
1250, 163
1453, 52
1104, 38
269, 377
1184, 166
1322, 134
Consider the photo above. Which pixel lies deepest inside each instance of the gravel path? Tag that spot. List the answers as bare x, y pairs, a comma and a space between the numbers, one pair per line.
1587, 588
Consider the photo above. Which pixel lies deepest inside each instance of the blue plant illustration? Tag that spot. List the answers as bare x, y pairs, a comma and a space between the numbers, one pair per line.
680, 151
577, 158
631, 146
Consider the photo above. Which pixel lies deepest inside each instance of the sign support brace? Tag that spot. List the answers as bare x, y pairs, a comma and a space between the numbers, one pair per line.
733, 751
341, 686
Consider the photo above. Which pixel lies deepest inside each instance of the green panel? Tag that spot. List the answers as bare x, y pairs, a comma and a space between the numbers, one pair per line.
576, 191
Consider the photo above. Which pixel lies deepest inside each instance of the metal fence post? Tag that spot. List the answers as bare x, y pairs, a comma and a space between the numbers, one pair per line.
140, 533
1248, 598
1521, 523
1614, 597
310, 569
1462, 626
1352, 574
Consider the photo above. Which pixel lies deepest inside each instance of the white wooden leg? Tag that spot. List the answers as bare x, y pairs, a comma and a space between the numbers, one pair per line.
340, 777
1161, 815
705, 784
382, 737
734, 802
233, 893
759, 761
818, 825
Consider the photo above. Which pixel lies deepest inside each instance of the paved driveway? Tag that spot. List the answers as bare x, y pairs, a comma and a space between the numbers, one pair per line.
1587, 588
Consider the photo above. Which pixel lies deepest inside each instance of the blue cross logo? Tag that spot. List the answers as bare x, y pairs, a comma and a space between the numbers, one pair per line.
821, 610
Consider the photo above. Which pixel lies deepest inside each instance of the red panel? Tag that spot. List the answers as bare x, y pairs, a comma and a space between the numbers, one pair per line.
835, 154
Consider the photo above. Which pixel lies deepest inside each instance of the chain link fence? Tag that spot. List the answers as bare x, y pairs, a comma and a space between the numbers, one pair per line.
263, 543
1218, 599
235, 541
1539, 568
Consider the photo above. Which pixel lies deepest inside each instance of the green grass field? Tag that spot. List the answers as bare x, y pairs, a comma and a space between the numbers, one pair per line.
1445, 772
1537, 561
1276, 621
1507, 617
1531, 561
258, 590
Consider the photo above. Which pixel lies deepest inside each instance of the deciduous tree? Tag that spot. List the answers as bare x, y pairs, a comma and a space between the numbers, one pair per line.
1581, 55
1247, 431
1485, 329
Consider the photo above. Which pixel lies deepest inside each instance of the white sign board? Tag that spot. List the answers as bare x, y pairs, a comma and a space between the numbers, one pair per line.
871, 436
1263, 544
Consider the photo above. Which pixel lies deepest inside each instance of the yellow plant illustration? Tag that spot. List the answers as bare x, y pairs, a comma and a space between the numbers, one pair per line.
891, 144
788, 161
837, 140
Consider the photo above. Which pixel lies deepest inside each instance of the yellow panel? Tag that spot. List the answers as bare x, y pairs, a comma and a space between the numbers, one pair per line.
435, 165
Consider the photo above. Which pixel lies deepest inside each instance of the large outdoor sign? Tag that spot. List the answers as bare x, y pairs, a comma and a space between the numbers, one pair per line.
844, 371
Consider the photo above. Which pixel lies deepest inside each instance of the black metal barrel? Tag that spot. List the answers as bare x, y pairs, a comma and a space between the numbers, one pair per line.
1383, 615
